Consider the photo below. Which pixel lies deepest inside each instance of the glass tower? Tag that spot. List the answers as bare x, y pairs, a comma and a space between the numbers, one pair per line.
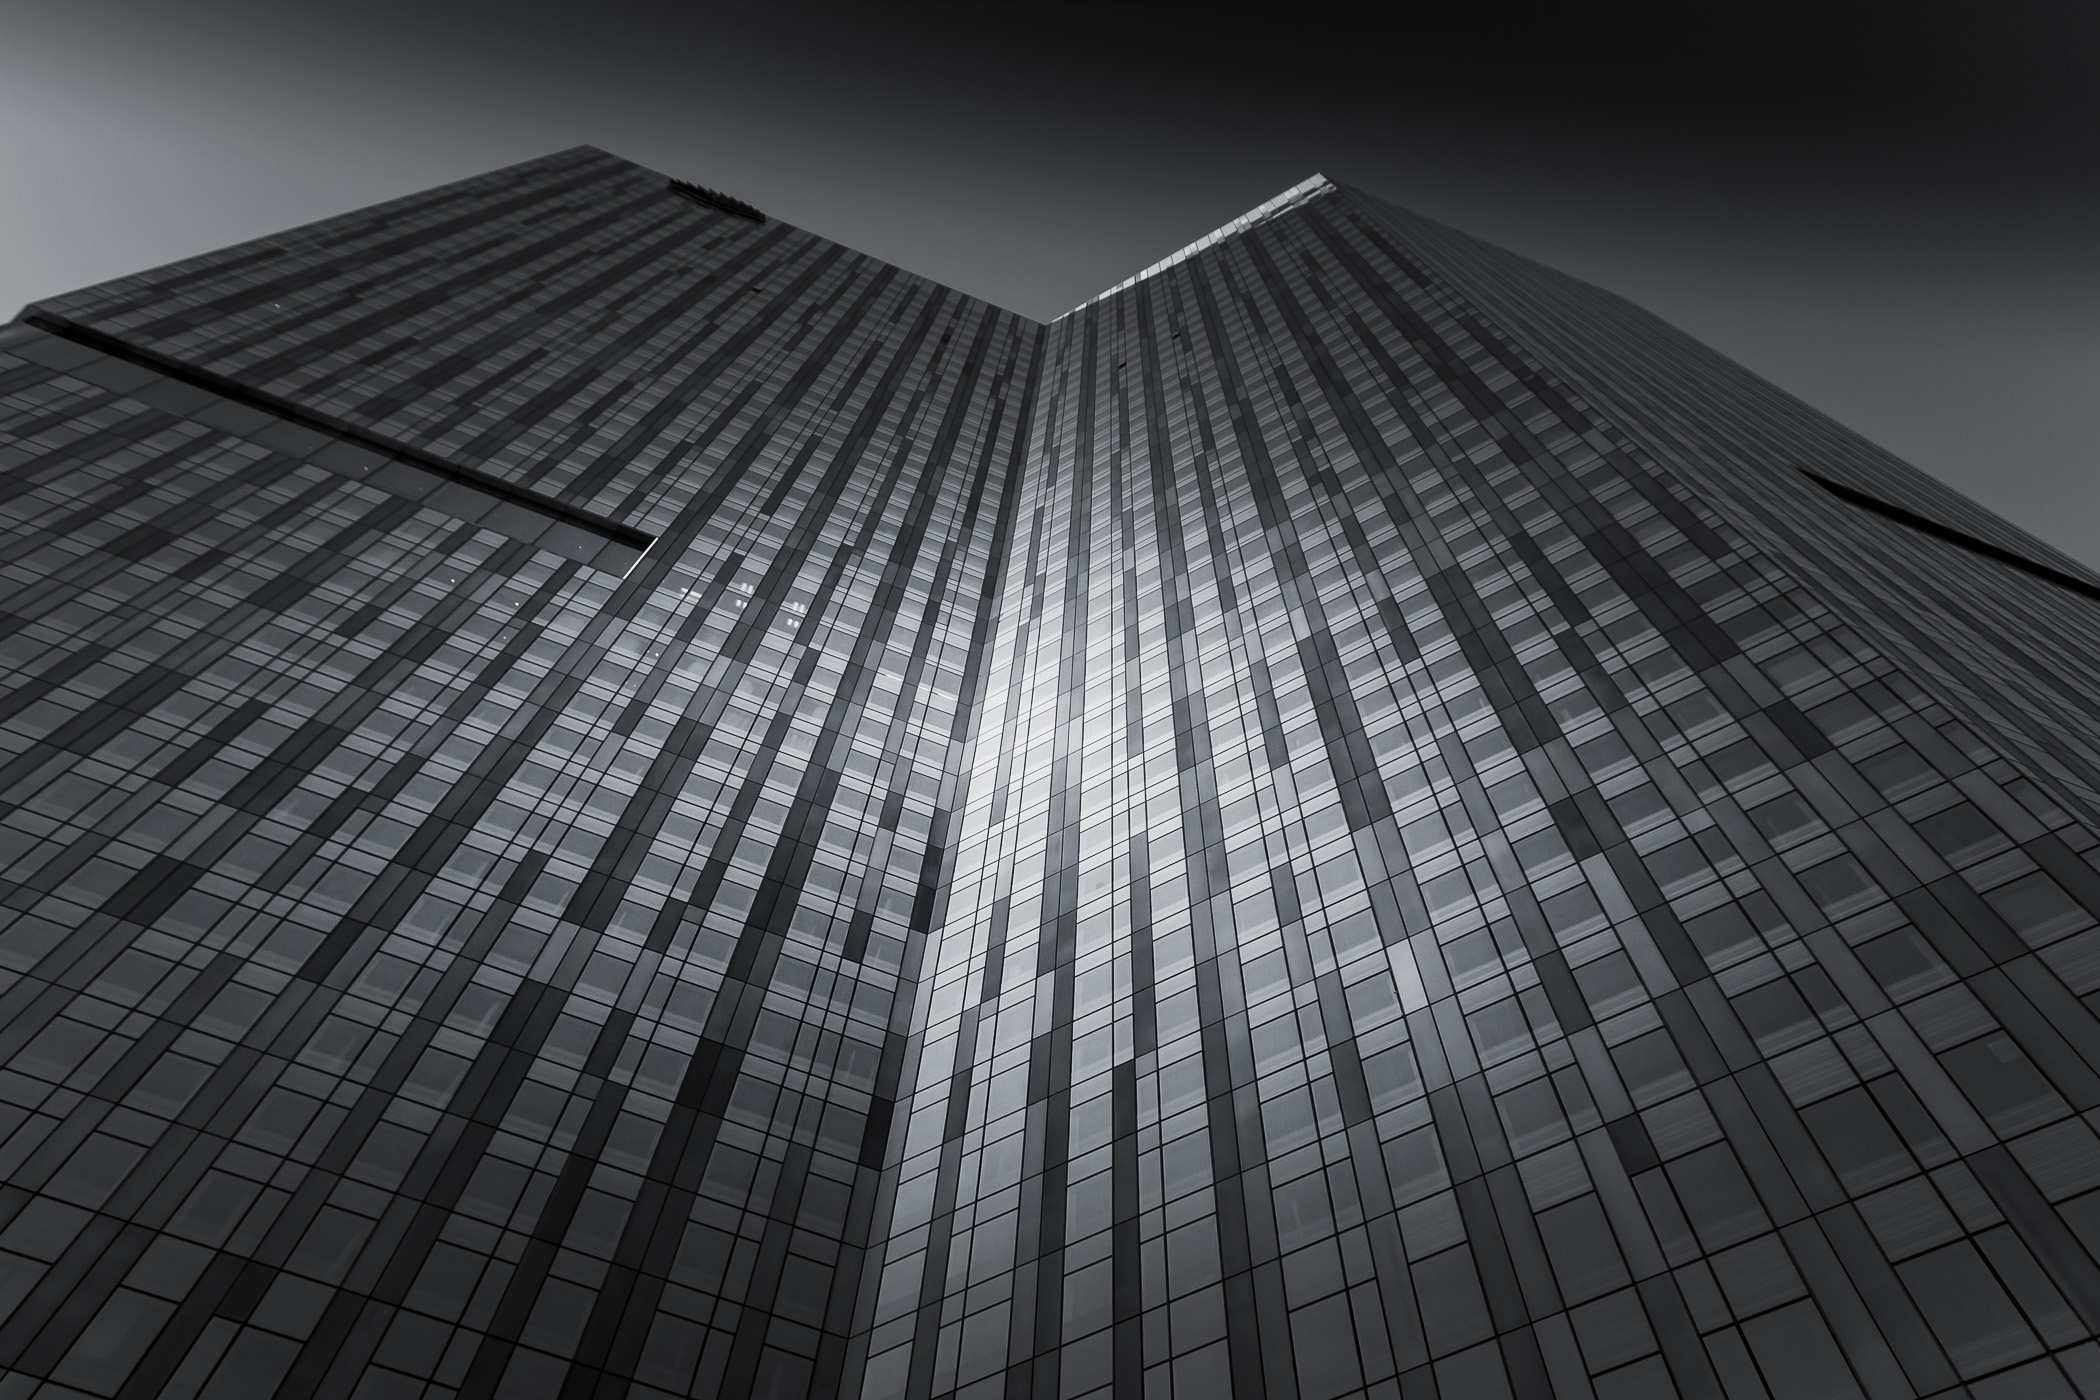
606, 797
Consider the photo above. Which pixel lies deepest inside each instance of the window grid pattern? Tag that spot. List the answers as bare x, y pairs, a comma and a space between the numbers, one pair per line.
1339, 822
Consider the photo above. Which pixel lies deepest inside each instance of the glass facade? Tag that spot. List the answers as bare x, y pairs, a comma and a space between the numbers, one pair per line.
605, 797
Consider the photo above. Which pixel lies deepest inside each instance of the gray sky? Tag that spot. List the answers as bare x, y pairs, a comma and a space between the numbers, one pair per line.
1888, 210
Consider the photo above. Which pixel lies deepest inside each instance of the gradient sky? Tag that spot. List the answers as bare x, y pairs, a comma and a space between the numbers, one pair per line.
1888, 210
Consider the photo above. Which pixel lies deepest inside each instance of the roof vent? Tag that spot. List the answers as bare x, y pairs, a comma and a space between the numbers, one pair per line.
715, 199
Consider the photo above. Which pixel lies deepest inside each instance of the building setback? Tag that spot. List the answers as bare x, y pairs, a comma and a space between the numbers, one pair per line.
606, 797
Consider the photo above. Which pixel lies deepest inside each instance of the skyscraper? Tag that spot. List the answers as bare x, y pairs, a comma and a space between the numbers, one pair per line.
607, 797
